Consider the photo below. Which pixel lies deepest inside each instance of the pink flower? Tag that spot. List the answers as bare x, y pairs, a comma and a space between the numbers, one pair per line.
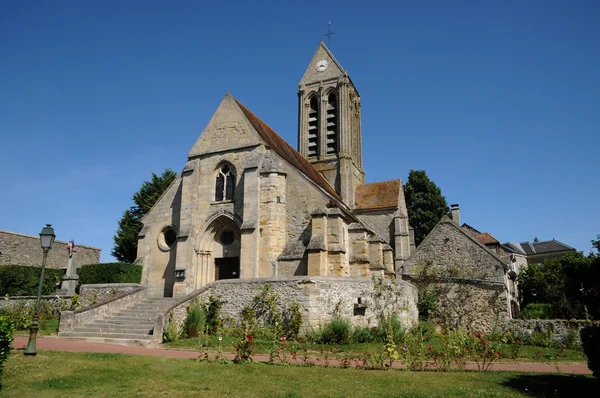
283, 338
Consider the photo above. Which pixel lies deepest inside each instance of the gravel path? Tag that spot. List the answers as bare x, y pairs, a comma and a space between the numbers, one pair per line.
58, 344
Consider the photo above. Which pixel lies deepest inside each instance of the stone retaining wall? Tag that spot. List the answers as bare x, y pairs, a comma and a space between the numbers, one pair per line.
61, 303
100, 293
318, 298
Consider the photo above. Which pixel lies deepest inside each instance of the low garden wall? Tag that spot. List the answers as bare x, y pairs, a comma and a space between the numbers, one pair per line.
69, 320
101, 293
558, 330
358, 299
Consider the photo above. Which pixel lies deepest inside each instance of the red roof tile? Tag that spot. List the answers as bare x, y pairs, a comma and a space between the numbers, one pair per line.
283, 149
485, 238
377, 195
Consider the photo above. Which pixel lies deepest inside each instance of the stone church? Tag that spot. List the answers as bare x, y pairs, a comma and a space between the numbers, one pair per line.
248, 205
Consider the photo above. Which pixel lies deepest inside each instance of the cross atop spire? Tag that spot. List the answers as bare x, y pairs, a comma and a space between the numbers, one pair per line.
328, 34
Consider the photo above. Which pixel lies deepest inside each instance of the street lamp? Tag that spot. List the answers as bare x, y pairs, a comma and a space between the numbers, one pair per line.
46, 239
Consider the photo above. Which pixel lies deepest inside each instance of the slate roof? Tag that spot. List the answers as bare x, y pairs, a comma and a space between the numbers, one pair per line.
545, 247
283, 149
513, 248
377, 195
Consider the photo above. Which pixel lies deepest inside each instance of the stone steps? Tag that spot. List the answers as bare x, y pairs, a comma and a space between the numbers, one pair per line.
133, 325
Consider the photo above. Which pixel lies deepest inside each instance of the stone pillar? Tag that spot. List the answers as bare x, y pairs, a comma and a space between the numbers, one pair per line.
336, 242
388, 260
317, 247
376, 256
183, 249
273, 216
359, 250
249, 232
401, 242
69, 282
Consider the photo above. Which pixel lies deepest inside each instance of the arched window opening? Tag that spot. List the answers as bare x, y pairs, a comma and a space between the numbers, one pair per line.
313, 127
332, 124
225, 184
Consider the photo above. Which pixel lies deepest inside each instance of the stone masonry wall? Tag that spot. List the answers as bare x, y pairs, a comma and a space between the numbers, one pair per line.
557, 329
381, 221
467, 280
318, 298
23, 249
100, 293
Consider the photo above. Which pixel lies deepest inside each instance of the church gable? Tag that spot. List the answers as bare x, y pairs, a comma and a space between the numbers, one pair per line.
323, 66
450, 252
289, 154
227, 129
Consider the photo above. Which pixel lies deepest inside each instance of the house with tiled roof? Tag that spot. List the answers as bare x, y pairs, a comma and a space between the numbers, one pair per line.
249, 205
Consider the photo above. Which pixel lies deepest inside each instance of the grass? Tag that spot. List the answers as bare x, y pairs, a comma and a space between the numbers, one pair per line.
50, 329
527, 353
63, 374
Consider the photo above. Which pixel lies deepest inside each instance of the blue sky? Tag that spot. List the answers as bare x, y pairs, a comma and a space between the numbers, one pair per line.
498, 101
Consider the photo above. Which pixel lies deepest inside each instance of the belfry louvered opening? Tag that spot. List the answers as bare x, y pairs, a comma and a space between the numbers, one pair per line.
332, 124
313, 127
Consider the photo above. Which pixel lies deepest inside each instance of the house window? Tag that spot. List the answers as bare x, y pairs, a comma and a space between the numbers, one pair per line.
225, 183
313, 127
332, 124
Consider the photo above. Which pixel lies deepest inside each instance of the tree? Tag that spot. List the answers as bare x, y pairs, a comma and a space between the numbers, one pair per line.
564, 282
424, 202
596, 244
130, 225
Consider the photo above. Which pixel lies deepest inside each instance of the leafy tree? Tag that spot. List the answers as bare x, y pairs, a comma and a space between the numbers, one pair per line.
130, 225
596, 244
424, 202
564, 282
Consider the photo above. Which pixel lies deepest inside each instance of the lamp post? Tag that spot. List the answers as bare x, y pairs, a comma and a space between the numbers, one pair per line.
46, 239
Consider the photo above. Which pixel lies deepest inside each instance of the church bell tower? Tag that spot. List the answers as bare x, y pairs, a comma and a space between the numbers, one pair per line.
329, 132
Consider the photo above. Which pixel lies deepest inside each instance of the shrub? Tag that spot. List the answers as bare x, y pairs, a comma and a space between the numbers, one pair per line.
170, 332
390, 322
536, 311
363, 335
109, 273
6, 338
590, 339
22, 280
293, 320
213, 315
335, 332
195, 321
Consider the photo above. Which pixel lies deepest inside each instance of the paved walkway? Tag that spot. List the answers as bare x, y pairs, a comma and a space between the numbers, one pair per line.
58, 344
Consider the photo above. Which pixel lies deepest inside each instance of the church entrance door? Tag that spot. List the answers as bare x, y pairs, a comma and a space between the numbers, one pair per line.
227, 268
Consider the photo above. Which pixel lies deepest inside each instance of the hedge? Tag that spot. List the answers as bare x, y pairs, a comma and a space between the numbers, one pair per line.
590, 339
6, 338
110, 273
22, 280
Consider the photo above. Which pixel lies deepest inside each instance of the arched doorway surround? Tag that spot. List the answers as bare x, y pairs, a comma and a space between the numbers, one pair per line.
217, 250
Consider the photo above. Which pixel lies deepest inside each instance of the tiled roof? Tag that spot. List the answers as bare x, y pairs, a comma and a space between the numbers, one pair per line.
486, 238
377, 195
549, 246
283, 149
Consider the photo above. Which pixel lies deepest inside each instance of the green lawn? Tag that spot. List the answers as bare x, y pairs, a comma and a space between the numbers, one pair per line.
63, 374
50, 328
527, 353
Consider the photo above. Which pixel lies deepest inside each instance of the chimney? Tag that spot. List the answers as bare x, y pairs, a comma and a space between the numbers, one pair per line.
455, 213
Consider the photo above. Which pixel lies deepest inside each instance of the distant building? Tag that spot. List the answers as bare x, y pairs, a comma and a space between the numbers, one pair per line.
537, 252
